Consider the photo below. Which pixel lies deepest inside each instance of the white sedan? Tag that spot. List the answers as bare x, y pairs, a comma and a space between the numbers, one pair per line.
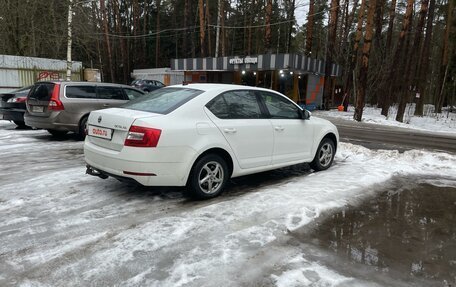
200, 135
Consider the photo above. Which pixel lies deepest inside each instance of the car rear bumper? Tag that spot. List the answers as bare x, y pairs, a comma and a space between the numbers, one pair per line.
12, 114
49, 123
138, 164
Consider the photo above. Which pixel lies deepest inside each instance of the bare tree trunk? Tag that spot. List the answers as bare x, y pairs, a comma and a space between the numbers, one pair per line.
291, 23
157, 41
389, 36
424, 63
208, 22
202, 30
378, 52
364, 69
399, 58
184, 39
222, 13
330, 51
122, 40
417, 43
106, 36
145, 31
309, 28
249, 42
444, 60
217, 35
267, 35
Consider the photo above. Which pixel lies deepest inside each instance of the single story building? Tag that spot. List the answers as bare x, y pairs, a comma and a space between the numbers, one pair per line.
299, 77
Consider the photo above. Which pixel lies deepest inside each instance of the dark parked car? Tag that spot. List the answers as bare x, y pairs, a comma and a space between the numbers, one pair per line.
147, 85
12, 106
62, 107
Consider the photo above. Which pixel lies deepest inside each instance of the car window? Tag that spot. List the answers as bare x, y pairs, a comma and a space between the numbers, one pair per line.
110, 93
132, 94
235, 105
163, 101
159, 84
81, 92
42, 91
279, 107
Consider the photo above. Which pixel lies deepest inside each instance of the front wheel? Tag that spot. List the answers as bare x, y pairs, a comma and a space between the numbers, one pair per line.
208, 177
324, 156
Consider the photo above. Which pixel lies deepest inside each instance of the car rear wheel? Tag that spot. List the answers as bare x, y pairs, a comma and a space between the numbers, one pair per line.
208, 177
82, 128
57, 134
324, 156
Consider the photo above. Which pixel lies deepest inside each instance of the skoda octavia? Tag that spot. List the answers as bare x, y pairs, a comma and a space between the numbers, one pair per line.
200, 135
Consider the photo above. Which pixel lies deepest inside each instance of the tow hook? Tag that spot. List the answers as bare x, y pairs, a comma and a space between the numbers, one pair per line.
91, 171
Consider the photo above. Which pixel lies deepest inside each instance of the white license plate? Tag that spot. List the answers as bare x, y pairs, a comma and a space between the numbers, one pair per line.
99, 132
37, 109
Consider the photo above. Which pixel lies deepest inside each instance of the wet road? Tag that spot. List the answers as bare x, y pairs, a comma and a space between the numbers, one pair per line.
406, 232
385, 137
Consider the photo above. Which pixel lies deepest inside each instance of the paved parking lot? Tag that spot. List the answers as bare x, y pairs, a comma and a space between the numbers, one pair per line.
61, 227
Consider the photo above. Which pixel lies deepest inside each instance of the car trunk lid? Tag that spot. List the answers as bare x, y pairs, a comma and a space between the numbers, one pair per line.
39, 98
109, 128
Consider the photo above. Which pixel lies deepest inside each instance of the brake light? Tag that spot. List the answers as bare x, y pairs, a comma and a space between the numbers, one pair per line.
55, 104
16, 100
142, 137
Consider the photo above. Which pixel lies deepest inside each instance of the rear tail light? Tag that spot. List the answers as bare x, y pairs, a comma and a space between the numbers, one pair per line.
17, 100
55, 104
142, 137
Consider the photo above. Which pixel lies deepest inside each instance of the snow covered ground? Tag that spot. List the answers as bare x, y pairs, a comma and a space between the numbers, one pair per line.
61, 227
441, 123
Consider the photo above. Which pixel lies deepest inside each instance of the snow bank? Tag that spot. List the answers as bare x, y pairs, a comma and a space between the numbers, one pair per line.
443, 123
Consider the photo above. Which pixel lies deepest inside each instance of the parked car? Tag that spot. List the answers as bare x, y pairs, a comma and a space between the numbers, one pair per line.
12, 106
147, 85
201, 135
62, 107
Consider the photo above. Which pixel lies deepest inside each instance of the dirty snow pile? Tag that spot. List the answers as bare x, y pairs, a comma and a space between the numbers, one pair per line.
444, 122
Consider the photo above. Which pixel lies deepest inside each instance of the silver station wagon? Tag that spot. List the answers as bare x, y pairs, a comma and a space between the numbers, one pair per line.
62, 107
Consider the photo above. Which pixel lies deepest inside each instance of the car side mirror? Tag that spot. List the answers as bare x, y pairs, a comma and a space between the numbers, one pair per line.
305, 114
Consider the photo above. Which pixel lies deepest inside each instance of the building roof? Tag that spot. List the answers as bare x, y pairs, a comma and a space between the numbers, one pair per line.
294, 62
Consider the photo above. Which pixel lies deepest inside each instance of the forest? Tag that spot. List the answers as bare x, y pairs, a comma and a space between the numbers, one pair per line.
393, 52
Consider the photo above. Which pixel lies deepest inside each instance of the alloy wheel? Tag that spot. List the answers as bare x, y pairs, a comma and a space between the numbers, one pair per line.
211, 177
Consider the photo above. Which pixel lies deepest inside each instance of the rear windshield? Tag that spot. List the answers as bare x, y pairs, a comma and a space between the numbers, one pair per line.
163, 101
42, 91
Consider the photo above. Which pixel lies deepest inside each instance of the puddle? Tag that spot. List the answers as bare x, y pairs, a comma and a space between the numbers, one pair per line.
406, 233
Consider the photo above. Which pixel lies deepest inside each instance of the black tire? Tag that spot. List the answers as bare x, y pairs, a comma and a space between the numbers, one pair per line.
57, 134
82, 128
205, 189
324, 156
20, 124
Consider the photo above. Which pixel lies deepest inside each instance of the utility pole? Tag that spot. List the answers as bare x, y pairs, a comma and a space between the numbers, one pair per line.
70, 19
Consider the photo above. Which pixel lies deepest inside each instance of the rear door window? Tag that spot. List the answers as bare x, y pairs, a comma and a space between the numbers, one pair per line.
236, 105
81, 92
42, 91
111, 93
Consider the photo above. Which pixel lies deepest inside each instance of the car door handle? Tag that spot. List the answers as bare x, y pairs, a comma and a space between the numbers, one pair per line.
106, 105
230, 131
279, 128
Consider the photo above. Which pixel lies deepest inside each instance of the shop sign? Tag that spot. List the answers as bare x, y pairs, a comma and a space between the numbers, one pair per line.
246, 60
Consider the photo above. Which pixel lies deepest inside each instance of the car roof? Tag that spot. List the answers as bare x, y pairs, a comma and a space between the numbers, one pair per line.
220, 87
66, 83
